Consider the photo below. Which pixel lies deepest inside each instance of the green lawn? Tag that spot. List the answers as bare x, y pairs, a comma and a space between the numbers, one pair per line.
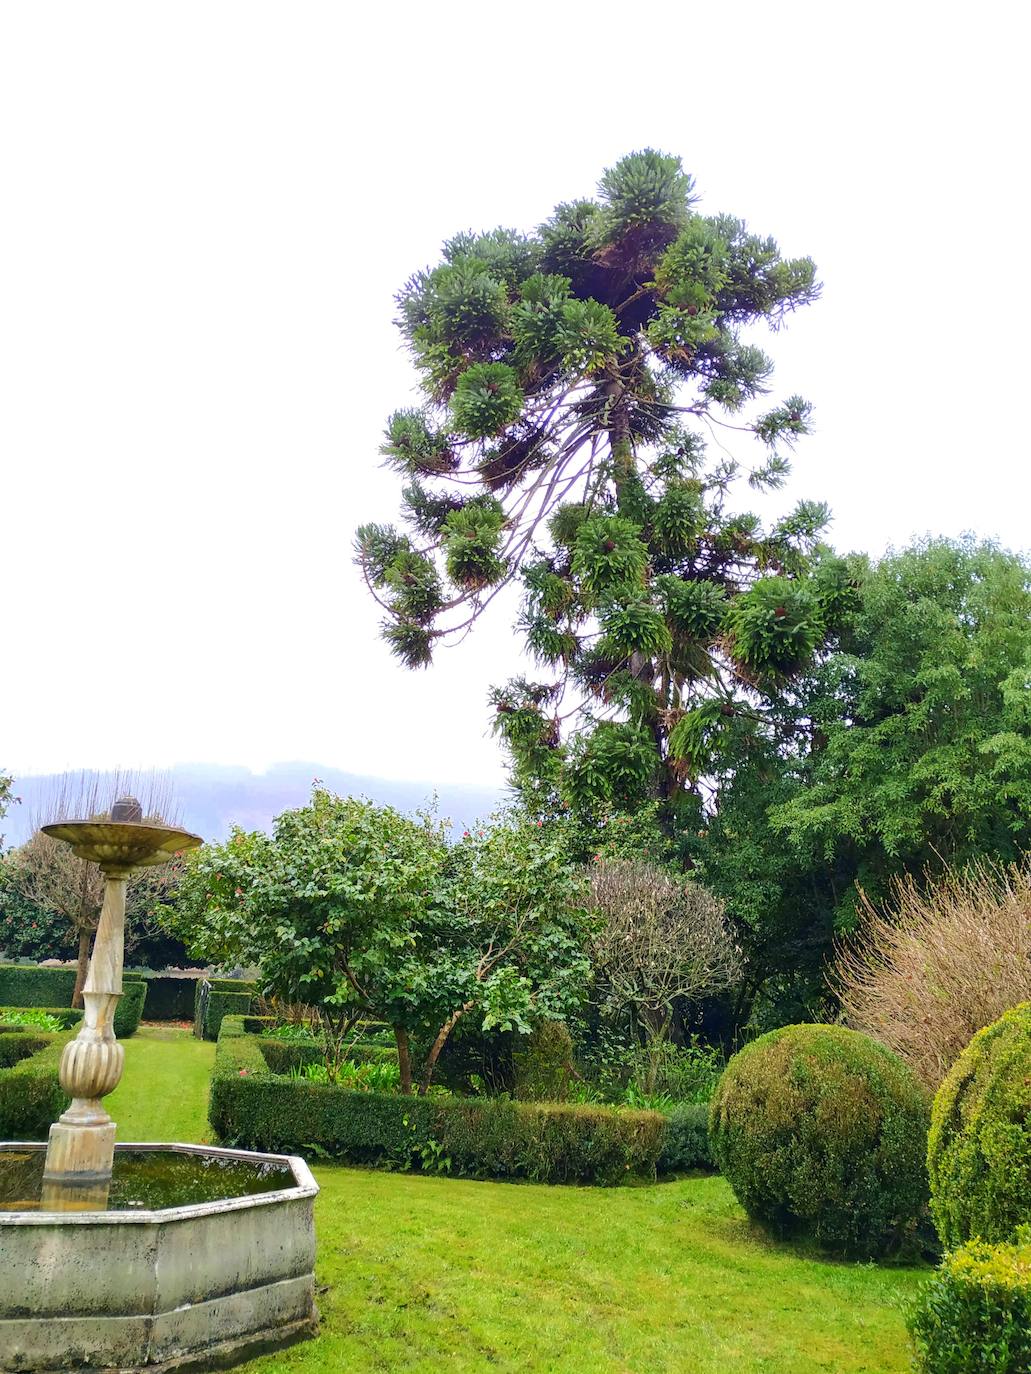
427, 1274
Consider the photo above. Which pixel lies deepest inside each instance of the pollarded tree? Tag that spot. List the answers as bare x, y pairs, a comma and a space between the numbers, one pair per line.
571, 378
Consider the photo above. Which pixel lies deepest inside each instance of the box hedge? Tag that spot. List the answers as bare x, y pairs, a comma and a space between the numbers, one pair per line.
481, 1137
47, 989
979, 1150
974, 1316
215, 998
686, 1142
822, 1134
28, 985
31, 1097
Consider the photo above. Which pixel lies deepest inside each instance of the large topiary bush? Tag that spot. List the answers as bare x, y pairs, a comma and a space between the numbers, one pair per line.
822, 1132
974, 1316
979, 1152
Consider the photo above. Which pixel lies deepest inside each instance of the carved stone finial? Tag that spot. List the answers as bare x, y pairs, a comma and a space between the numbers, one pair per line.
127, 809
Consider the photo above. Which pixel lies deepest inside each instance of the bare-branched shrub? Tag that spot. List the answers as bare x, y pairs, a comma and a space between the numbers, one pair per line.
661, 938
939, 963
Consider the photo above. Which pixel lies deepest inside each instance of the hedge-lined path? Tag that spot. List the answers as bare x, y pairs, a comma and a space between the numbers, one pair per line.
425, 1274
163, 1094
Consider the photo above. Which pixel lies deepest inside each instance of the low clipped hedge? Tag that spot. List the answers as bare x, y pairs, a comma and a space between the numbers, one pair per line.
822, 1134
974, 1316
282, 1056
979, 1150
51, 989
31, 1096
686, 1142
251, 1105
28, 985
215, 998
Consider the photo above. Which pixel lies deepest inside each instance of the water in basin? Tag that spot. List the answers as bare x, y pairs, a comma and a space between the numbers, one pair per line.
147, 1180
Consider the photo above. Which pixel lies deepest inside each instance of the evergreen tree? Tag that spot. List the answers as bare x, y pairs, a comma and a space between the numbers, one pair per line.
572, 378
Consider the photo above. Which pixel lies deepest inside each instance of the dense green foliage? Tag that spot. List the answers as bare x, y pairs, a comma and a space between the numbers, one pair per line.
822, 1133
543, 1063
490, 1138
31, 1096
686, 1142
904, 749
979, 1152
361, 912
561, 370
43, 1018
974, 1316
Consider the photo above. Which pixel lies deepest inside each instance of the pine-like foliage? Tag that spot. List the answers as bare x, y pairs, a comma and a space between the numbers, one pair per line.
571, 378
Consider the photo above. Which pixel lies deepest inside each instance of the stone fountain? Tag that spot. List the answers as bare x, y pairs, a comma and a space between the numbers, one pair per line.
148, 1258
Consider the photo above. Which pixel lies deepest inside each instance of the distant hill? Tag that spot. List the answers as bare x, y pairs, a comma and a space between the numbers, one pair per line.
211, 798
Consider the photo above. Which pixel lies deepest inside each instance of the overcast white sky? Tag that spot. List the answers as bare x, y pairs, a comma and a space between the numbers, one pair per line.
208, 207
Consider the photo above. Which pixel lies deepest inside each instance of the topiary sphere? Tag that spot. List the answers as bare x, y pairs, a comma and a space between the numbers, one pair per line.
822, 1133
979, 1151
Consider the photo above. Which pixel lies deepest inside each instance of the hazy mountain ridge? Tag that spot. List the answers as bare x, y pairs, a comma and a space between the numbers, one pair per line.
211, 798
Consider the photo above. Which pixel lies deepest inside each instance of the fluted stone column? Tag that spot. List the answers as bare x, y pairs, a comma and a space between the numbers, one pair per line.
82, 1143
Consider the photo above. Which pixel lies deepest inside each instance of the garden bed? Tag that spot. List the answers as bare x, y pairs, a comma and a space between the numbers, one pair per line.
253, 1106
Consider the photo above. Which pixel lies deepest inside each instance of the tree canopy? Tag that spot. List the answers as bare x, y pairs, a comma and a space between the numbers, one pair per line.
573, 377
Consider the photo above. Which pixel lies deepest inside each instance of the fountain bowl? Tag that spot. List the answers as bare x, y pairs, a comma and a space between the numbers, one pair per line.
155, 1290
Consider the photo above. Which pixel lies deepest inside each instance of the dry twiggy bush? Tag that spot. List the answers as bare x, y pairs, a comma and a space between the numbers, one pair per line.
661, 938
939, 964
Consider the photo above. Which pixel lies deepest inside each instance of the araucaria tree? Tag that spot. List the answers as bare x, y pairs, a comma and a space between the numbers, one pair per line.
573, 377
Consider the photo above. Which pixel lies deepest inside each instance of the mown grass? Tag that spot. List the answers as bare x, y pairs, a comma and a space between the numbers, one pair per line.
426, 1274
163, 1094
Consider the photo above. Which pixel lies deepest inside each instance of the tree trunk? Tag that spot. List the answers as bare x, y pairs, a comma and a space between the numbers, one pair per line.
85, 939
438, 1045
404, 1059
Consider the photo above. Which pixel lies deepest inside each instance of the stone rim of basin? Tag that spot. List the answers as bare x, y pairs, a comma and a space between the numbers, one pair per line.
304, 1187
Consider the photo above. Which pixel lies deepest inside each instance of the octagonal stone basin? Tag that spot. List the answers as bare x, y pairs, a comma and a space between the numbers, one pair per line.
196, 1286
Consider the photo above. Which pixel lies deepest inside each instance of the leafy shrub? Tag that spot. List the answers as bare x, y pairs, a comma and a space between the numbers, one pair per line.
821, 1132
543, 1062
368, 1077
686, 1142
293, 1031
34, 1017
979, 1152
485, 1138
31, 1096
926, 975
16, 1018
974, 1316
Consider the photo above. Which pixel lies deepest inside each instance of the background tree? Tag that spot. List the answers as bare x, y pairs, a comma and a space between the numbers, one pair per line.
45, 875
905, 750
362, 912
661, 940
571, 377
6, 797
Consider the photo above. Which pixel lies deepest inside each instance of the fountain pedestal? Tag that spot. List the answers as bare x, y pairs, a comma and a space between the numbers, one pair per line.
82, 1143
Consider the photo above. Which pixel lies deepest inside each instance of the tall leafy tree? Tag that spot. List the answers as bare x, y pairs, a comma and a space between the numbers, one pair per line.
906, 748
573, 378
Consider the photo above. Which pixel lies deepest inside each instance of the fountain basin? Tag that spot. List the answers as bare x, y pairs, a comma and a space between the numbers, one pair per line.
149, 1289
